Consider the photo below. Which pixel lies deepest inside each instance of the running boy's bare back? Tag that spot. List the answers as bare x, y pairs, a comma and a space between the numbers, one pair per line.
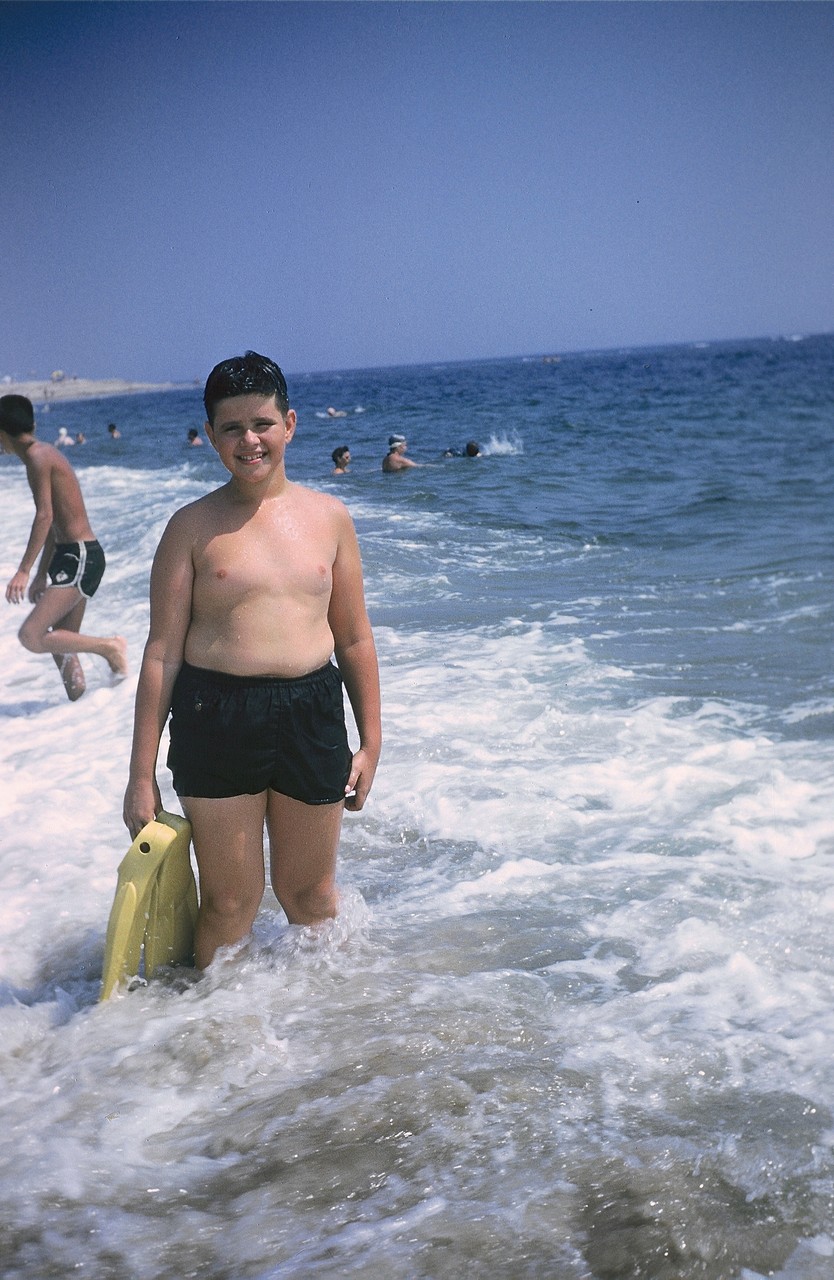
254, 587
70, 555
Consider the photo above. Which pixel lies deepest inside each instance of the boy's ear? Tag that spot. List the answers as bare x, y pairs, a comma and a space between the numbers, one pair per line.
291, 421
209, 430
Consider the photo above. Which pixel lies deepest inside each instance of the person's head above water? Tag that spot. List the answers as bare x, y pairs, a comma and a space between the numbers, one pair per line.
17, 417
249, 374
339, 454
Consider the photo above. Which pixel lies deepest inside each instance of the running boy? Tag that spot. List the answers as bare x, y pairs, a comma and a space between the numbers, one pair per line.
253, 588
70, 555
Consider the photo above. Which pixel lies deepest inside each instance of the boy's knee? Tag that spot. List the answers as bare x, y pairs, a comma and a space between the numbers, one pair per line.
230, 905
311, 904
30, 637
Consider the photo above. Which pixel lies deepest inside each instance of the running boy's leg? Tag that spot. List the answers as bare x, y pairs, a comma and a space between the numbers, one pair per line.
228, 839
42, 632
303, 842
72, 673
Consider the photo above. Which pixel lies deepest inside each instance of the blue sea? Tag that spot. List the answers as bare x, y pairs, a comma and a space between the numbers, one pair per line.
576, 1018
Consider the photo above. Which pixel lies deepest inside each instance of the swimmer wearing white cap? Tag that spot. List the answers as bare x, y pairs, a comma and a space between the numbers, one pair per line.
394, 459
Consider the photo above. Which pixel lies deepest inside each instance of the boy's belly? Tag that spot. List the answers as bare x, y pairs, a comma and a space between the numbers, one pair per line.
244, 648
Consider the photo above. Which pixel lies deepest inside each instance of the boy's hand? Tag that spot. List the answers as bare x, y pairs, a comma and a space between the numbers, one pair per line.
142, 804
361, 779
16, 590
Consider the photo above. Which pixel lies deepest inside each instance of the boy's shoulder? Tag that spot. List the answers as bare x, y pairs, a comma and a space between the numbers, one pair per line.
222, 499
198, 511
212, 509
38, 451
42, 457
322, 506
316, 498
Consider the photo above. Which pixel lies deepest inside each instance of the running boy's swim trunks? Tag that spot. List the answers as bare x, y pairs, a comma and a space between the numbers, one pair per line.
77, 564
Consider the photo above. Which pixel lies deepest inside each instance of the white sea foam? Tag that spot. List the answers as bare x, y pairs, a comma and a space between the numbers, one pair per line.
575, 1014
503, 444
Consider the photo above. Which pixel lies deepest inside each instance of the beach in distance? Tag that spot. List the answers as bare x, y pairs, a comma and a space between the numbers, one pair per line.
47, 390
574, 1020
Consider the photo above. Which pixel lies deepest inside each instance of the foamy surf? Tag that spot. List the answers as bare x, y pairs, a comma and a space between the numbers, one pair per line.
574, 1017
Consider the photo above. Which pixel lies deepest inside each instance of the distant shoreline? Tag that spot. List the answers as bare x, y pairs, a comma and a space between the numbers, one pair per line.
45, 391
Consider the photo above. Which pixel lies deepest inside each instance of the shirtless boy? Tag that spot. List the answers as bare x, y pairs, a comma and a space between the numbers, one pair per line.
70, 554
253, 588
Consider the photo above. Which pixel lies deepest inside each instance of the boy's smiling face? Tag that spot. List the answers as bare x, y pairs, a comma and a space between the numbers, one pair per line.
250, 434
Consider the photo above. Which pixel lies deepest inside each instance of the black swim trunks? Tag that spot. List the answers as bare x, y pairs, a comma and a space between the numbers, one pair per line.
240, 735
77, 564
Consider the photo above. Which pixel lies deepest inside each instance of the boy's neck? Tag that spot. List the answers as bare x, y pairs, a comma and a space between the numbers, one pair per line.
19, 445
274, 486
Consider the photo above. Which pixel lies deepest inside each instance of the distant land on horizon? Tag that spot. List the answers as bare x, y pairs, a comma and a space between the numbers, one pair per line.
59, 386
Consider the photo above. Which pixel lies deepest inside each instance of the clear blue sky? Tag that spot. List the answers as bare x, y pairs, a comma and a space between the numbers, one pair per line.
346, 185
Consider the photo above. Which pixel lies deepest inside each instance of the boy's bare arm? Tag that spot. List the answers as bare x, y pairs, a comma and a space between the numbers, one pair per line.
38, 472
356, 656
358, 665
38, 584
172, 579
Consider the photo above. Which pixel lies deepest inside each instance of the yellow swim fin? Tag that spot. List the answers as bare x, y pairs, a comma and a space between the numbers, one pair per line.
155, 904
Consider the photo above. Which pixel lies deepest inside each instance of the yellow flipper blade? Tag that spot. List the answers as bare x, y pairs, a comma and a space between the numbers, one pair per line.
172, 912
125, 931
156, 902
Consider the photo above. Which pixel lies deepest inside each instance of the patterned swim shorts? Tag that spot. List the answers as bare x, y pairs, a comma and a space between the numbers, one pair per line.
77, 564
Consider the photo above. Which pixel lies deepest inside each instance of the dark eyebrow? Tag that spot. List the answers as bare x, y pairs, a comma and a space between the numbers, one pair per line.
260, 421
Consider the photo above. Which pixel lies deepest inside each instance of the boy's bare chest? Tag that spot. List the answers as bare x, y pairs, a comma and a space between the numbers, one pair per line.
264, 558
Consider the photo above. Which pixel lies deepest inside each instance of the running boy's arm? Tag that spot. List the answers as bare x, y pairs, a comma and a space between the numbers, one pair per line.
172, 578
38, 473
356, 656
38, 584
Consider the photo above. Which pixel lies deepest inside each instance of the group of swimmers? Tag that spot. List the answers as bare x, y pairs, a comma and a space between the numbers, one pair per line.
65, 441
395, 459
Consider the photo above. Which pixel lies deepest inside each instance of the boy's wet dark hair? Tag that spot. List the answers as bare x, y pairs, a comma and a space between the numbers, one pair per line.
17, 417
243, 376
339, 453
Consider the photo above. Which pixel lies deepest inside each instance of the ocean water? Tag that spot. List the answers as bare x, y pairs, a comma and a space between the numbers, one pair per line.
575, 1020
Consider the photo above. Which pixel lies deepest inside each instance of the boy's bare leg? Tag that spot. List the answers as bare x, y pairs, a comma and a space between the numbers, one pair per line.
72, 673
303, 841
41, 632
229, 847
